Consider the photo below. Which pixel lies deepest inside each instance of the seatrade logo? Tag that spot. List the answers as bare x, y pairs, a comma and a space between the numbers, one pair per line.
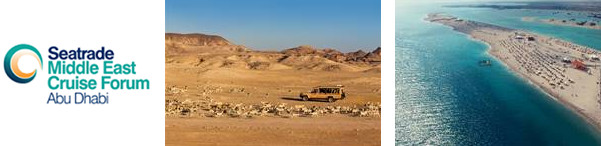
99, 73
11, 66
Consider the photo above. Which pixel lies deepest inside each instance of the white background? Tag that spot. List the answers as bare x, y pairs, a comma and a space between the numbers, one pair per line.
388, 72
134, 30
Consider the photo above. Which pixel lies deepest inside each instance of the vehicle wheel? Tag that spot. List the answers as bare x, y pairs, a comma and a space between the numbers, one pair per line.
330, 99
305, 98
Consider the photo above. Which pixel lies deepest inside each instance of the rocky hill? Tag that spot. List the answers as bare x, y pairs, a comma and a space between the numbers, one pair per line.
196, 39
210, 51
335, 55
196, 42
373, 56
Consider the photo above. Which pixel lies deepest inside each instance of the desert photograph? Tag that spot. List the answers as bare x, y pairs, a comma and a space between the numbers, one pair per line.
272, 73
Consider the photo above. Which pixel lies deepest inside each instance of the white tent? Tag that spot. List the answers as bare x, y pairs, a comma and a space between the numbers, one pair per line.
592, 57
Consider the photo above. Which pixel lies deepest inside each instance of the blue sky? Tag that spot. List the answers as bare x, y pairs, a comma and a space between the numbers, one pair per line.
346, 25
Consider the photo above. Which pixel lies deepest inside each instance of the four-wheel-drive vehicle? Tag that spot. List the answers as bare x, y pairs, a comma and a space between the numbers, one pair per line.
331, 93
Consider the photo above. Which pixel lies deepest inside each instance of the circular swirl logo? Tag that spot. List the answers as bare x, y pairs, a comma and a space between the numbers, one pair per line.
11, 63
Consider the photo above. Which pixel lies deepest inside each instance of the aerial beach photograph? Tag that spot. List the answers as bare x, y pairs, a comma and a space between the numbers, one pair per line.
267, 72
497, 73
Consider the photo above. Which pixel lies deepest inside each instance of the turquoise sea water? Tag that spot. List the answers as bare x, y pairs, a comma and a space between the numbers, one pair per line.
444, 98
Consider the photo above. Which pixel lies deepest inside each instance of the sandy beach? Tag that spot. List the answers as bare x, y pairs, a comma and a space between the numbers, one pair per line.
567, 71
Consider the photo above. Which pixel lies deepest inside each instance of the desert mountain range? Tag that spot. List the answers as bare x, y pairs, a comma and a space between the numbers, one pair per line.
212, 51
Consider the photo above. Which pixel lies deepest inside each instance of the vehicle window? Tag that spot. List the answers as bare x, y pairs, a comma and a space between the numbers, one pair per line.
327, 90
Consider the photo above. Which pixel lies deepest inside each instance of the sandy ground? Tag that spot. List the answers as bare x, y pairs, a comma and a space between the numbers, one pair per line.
205, 75
247, 86
273, 131
540, 61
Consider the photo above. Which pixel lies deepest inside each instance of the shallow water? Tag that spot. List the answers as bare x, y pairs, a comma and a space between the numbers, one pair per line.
444, 98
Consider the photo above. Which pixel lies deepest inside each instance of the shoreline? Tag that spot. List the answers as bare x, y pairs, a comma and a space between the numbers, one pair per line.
584, 24
489, 34
562, 22
596, 125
